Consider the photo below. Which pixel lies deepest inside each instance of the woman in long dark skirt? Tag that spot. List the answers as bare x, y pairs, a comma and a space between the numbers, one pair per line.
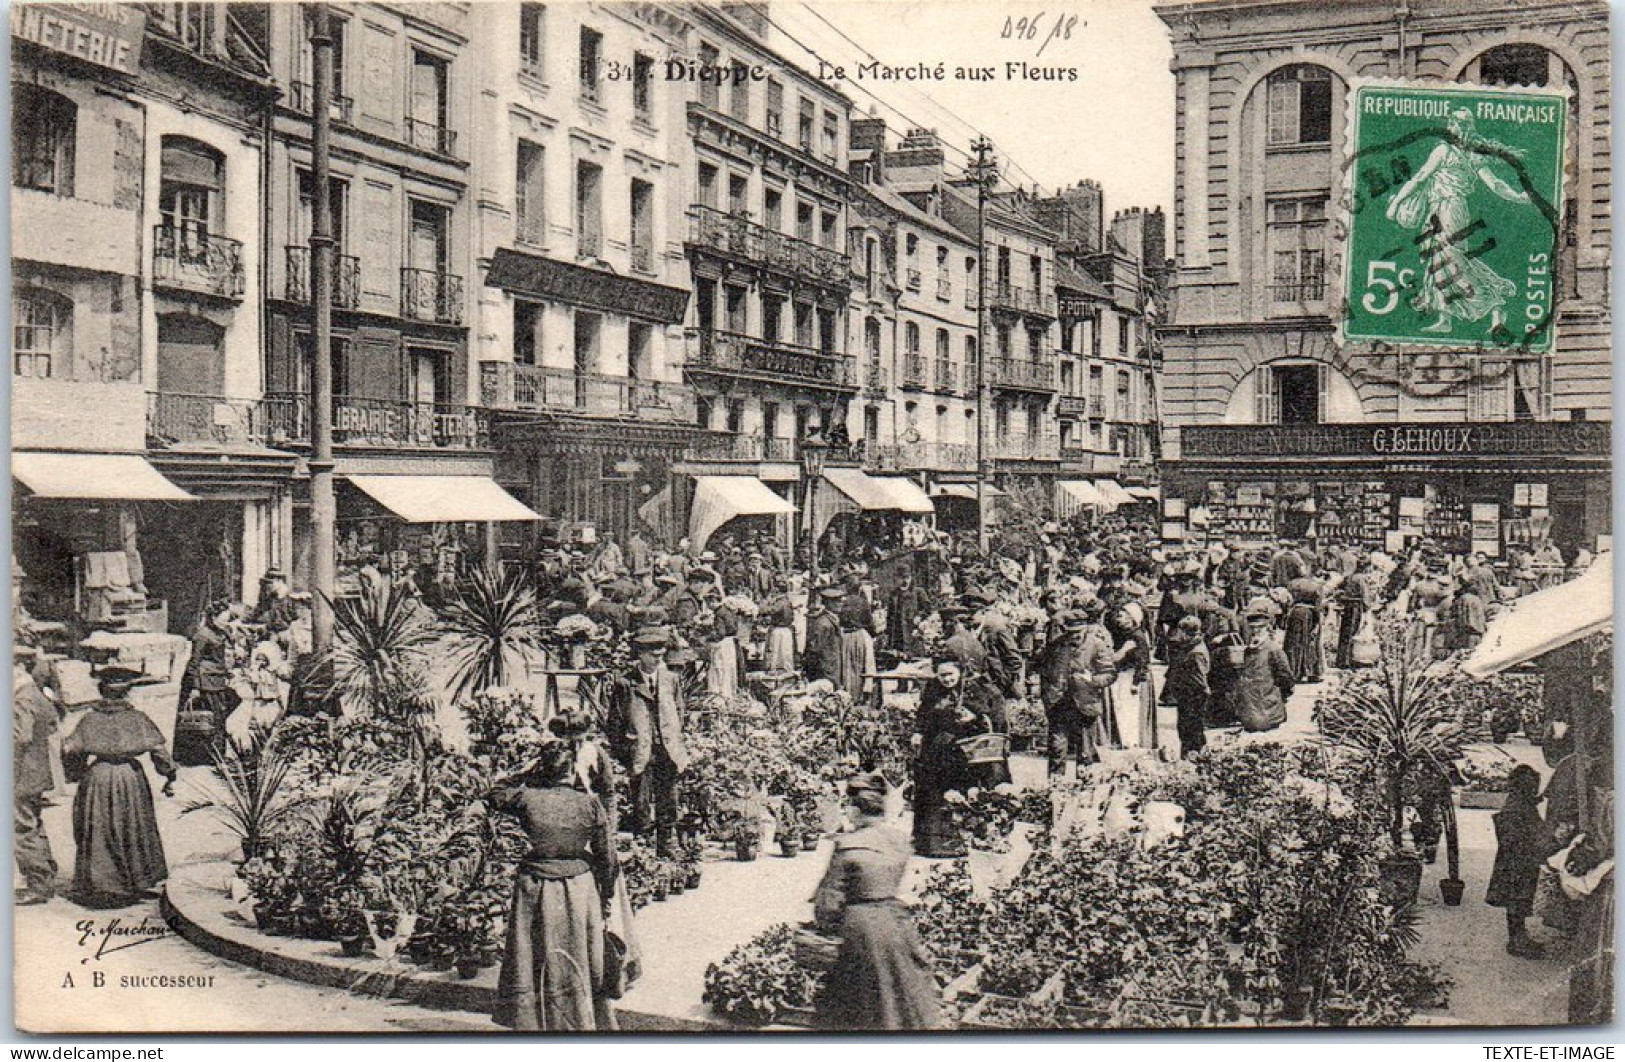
119, 854
556, 973
882, 978
1522, 845
940, 766
1303, 640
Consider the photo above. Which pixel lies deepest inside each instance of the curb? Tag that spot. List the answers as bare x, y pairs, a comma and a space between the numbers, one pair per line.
198, 913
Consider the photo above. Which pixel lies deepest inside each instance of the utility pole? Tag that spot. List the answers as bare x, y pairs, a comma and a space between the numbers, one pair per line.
323, 511
983, 171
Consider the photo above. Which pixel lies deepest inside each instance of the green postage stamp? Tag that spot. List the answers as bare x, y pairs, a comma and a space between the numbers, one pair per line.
1454, 205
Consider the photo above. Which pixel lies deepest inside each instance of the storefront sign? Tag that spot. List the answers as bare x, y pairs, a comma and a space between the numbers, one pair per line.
1313, 441
108, 35
1453, 216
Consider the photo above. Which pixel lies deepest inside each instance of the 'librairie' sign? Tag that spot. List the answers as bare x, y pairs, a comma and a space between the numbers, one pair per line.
1417, 440
108, 35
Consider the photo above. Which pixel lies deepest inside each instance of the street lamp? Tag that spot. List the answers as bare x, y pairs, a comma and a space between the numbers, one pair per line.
814, 449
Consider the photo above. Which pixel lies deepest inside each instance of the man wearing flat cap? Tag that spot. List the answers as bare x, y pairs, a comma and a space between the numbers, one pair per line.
1074, 674
822, 657
652, 704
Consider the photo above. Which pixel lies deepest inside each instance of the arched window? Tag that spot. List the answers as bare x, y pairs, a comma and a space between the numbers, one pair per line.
41, 332
911, 337
43, 133
871, 340
1300, 106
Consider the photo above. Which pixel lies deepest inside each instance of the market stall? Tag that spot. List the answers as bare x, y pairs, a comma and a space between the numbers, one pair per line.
720, 499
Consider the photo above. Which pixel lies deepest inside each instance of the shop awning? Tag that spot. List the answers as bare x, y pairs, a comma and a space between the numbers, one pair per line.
1113, 492
443, 499
963, 490
905, 495
1546, 620
93, 477
865, 491
718, 499
1074, 494
1143, 493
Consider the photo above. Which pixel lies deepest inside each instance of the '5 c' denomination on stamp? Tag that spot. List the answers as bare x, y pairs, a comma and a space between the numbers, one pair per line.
1454, 205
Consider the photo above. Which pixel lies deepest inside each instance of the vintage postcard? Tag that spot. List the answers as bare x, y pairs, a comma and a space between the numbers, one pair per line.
813, 514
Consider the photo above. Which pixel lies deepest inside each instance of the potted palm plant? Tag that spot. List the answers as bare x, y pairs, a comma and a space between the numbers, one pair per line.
491, 628
1394, 713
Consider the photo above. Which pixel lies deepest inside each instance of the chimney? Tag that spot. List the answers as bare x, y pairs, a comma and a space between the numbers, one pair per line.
869, 135
1076, 214
920, 149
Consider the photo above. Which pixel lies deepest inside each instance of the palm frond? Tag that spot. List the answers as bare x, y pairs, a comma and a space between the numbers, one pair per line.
491, 628
381, 649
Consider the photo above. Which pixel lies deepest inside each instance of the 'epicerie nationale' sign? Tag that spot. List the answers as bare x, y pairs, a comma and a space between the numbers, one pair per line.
107, 35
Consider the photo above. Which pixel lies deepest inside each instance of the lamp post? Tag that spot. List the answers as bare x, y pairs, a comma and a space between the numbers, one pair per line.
814, 449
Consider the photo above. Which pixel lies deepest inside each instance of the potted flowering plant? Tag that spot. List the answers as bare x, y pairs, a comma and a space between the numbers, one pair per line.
761, 982
572, 633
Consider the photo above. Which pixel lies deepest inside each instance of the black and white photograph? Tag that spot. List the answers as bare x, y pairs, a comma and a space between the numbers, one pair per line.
812, 516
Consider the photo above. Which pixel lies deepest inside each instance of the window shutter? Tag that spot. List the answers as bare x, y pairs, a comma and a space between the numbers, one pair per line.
1283, 110
1322, 385
1264, 396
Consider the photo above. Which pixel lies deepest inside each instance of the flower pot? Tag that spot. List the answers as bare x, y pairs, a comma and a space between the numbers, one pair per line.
809, 842
468, 968
744, 851
1400, 881
694, 877
1451, 889
789, 848
351, 947
578, 657
661, 891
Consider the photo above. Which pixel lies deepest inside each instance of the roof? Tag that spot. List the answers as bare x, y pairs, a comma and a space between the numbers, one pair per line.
1079, 281
901, 206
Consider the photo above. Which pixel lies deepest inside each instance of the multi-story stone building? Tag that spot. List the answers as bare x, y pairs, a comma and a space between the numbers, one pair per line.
1271, 427
137, 148
581, 148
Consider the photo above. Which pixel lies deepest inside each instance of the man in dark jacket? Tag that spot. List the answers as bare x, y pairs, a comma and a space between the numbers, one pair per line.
822, 659
1186, 684
653, 706
33, 721
1073, 674
1265, 679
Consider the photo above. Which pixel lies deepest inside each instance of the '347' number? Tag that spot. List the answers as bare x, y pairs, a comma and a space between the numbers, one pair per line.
1383, 280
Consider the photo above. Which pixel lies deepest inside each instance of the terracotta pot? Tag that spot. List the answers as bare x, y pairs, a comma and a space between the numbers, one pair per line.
1451, 889
468, 969
352, 947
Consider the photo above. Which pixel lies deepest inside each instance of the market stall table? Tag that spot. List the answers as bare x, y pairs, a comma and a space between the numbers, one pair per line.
904, 679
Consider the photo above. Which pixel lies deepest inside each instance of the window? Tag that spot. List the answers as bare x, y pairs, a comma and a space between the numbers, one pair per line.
638, 340
804, 125
530, 200
643, 225
804, 324
942, 349
734, 298
871, 341
1296, 240
1122, 335
190, 355
1300, 106
1069, 378
531, 24
41, 332
736, 415
1034, 420
708, 185
1515, 64
1035, 345
832, 136
827, 338
826, 230
944, 281
739, 96
870, 248
303, 89
592, 46
1003, 335
527, 331
775, 108
589, 210
1001, 421
709, 90
1125, 399
585, 359
911, 339
426, 122
1035, 273
702, 411
643, 78
772, 208
191, 193
972, 371
430, 248
772, 317
770, 420
195, 25
44, 128
1291, 394
1003, 269
738, 195
804, 222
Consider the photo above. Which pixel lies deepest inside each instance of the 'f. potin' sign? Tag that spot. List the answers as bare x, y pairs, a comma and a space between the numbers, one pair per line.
1454, 203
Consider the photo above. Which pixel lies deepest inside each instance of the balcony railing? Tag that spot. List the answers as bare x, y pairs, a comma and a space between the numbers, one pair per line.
717, 351
970, 297
1097, 407
947, 379
736, 237
1071, 406
302, 98
913, 279
913, 371
1041, 448
1304, 289
737, 446
1022, 300
945, 289
184, 418
430, 296
346, 278
504, 385
1011, 373
921, 456
431, 136
197, 261
875, 381
380, 423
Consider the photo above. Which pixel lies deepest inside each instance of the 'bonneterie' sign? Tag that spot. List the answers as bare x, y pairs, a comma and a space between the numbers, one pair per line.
108, 35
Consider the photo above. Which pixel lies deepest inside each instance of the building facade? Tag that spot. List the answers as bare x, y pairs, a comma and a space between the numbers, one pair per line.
1271, 427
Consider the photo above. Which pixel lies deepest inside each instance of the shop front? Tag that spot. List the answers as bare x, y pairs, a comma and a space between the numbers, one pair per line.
1475, 487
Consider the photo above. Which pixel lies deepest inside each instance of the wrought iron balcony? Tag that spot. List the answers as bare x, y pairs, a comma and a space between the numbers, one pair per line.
431, 136
427, 295
738, 446
346, 278
380, 423
1012, 374
1304, 289
875, 380
185, 418
913, 372
1022, 300
921, 456
945, 289
1071, 406
913, 282
302, 98
946, 378
190, 260
743, 240
505, 385
1029, 448
710, 350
